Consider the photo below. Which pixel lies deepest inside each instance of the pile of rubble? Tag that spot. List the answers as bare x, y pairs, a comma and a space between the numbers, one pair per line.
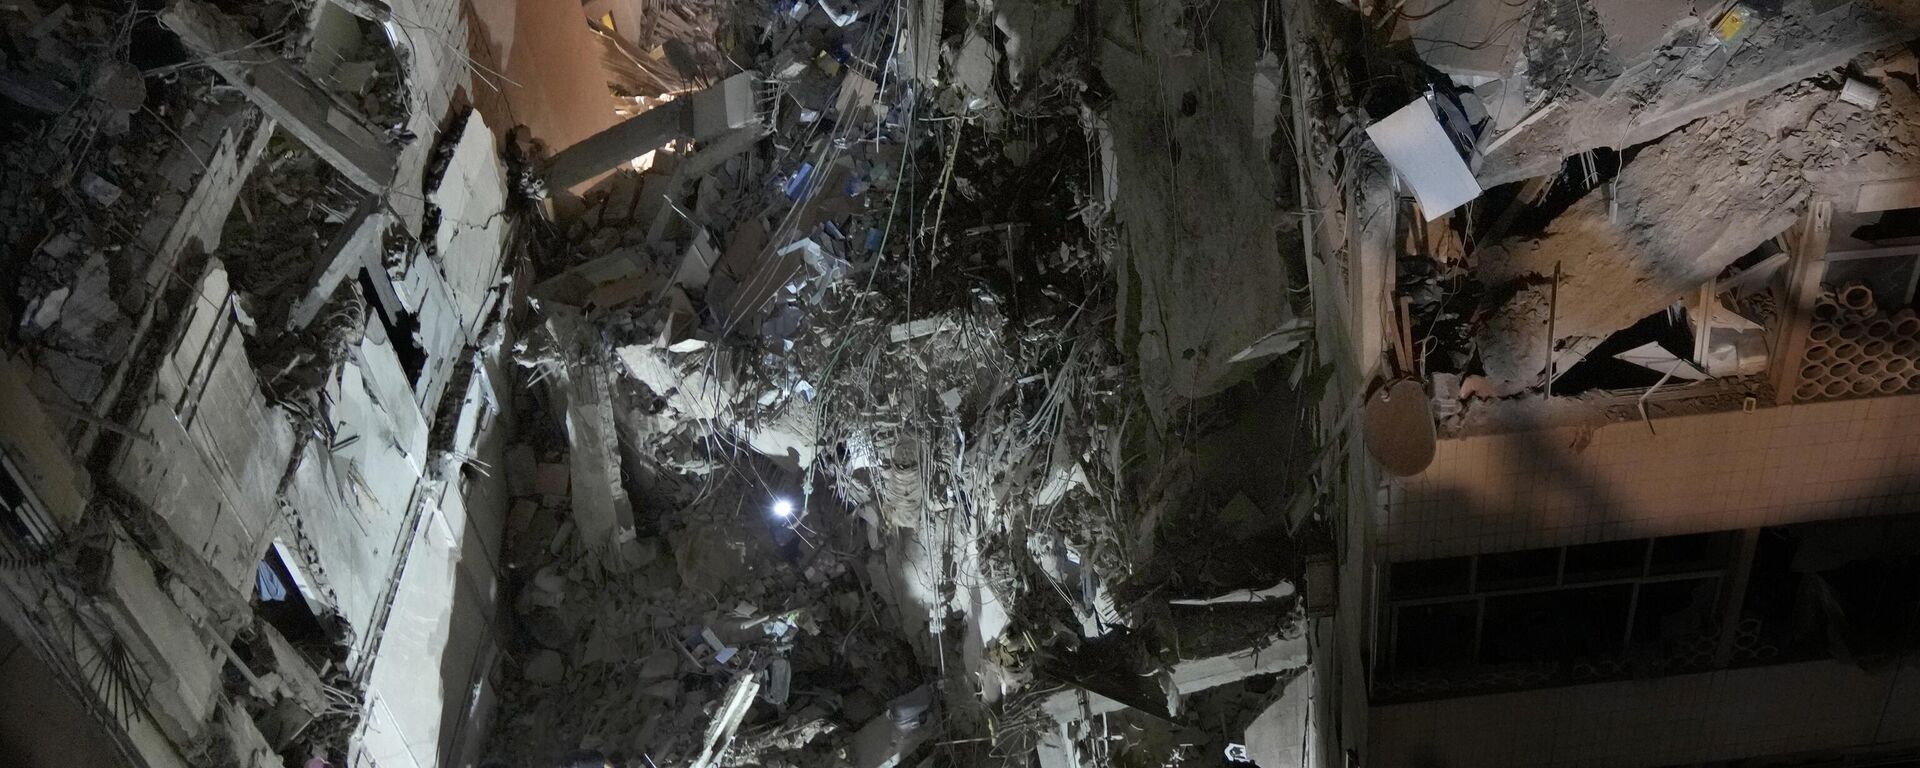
87, 154
1634, 163
845, 428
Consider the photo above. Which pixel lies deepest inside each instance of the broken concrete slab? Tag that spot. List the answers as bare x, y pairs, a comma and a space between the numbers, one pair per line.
1193, 675
1282, 734
892, 736
1635, 28
357, 244
162, 641
1686, 207
1197, 265
1673, 235
709, 114
1690, 82
613, 147
724, 106
1473, 38
470, 241
280, 89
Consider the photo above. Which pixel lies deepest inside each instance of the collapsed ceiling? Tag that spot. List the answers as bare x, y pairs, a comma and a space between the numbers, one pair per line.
870, 383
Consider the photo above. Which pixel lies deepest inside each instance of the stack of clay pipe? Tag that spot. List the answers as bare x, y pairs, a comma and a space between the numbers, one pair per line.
1855, 350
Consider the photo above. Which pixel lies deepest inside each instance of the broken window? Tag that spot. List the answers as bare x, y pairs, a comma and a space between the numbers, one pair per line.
279, 599
26, 530
1890, 273
1844, 589
1551, 616
1638, 356
399, 330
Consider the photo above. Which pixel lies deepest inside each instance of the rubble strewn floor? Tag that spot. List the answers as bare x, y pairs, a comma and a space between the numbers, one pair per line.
823, 383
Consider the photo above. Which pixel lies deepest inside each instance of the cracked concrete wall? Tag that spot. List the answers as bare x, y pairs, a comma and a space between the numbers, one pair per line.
216, 452
1199, 261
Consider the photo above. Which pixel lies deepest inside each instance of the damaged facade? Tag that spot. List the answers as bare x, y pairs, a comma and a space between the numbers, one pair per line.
490, 383
1660, 520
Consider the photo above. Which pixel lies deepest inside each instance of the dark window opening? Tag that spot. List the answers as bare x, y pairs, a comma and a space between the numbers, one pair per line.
1435, 636
401, 328
1674, 611
26, 530
1891, 278
1579, 175
1690, 552
1896, 227
1845, 590
1606, 560
1552, 616
1510, 570
150, 44
1567, 626
278, 599
1600, 369
1430, 578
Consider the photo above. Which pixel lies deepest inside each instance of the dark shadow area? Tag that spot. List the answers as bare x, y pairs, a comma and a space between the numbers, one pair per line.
1672, 330
278, 600
42, 724
401, 327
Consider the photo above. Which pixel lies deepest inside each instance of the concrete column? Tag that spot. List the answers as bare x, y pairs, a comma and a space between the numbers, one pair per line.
703, 116
295, 101
608, 149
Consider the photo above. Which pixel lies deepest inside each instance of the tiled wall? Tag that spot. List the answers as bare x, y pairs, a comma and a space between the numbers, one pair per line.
1727, 715
1698, 473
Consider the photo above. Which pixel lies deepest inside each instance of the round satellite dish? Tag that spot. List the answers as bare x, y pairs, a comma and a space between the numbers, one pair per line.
1398, 424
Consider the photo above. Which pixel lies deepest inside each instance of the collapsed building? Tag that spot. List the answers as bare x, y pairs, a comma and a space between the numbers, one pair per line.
421, 382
